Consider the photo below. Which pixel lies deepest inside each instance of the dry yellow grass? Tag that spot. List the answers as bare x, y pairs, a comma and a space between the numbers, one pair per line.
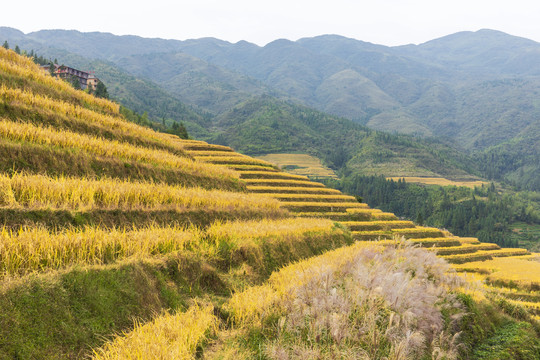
38, 191
250, 306
438, 242
334, 215
465, 248
310, 197
419, 230
408, 233
197, 145
534, 306
440, 181
351, 303
170, 336
307, 165
325, 197
514, 293
249, 167
484, 255
378, 225
374, 214
102, 147
469, 240
21, 66
307, 206
37, 249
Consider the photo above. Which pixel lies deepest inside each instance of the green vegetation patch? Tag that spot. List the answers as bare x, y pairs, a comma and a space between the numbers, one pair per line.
62, 315
514, 340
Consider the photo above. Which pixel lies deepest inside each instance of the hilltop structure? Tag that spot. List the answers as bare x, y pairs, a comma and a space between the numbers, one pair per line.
86, 79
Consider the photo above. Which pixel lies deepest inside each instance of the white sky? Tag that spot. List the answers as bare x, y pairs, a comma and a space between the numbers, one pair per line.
388, 22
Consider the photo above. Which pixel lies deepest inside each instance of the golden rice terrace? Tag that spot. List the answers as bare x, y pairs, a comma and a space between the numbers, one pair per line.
119, 242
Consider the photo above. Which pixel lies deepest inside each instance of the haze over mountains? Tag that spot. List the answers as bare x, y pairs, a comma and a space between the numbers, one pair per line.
476, 90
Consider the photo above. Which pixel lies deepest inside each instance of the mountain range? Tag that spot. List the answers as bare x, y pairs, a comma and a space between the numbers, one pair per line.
474, 91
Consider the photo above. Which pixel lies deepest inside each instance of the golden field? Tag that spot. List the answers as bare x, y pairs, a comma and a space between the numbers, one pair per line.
300, 164
440, 181
171, 336
281, 276
39, 191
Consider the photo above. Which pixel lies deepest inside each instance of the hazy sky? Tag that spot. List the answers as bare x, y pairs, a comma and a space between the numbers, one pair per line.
388, 22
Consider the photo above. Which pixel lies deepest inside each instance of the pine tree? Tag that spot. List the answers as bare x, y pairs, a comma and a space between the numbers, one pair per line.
180, 130
76, 83
101, 91
6, 45
17, 50
52, 69
419, 219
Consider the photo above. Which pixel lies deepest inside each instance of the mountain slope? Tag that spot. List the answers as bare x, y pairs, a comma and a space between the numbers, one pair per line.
128, 248
488, 53
473, 89
194, 81
136, 93
266, 125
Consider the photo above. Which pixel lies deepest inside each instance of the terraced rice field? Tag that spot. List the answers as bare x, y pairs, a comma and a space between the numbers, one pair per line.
301, 164
106, 222
440, 181
298, 195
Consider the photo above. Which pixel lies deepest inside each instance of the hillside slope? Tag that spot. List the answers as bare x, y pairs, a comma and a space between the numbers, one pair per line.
476, 101
265, 125
105, 222
306, 69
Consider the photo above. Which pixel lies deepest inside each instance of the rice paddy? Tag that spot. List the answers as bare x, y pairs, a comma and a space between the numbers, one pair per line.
101, 147
300, 164
151, 290
169, 336
440, 181
293, 190
38, 191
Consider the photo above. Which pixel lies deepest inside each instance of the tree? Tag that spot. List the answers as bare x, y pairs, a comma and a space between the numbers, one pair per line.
17, 49
52, 69
6, 45
76, 83
101, 91
180, 130
419, 219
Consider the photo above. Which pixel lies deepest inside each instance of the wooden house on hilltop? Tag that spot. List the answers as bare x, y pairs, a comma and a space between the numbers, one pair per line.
86, 79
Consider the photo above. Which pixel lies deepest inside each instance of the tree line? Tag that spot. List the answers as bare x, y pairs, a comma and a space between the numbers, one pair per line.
482, 212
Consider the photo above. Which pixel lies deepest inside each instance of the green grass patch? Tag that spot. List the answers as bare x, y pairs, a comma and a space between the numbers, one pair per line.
514, 340
63, 315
